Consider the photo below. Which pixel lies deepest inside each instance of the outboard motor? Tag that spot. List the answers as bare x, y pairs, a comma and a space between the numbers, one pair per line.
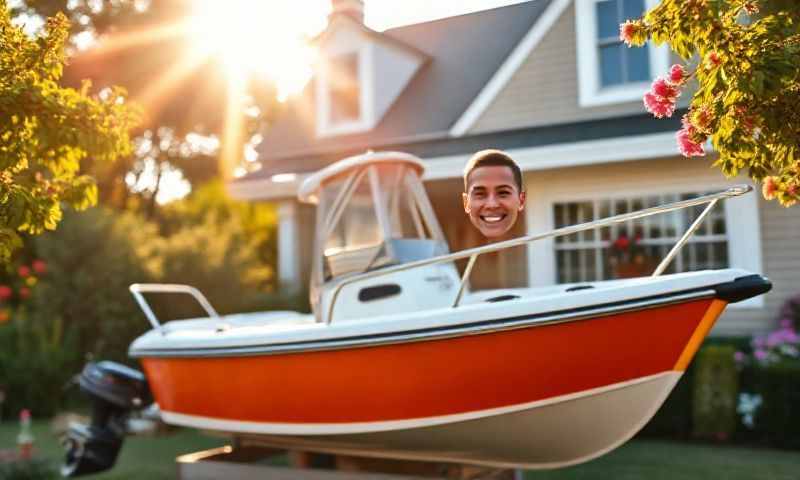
114, 390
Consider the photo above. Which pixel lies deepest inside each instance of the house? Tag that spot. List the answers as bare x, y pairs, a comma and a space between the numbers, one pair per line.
549, 82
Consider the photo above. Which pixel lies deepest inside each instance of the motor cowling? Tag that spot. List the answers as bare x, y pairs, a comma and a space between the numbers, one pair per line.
114, 390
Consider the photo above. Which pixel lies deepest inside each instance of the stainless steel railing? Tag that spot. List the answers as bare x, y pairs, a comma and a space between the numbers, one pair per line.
473, 253
137, 289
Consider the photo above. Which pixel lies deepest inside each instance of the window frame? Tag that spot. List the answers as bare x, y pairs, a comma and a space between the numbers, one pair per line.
741, 220
597, 243
325, 125
590, 91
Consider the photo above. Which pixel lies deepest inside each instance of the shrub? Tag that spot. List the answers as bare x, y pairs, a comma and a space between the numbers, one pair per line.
776, 420
28, 470
716, 388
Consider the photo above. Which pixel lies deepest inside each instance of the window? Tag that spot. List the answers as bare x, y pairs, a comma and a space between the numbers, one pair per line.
618, 63
608, 70
344, 91
635, 248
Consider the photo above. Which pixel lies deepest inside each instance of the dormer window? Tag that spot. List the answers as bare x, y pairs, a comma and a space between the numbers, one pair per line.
608, 70
344, 90
344, 93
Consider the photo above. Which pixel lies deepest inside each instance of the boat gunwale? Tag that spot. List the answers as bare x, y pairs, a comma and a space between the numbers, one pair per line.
440, 332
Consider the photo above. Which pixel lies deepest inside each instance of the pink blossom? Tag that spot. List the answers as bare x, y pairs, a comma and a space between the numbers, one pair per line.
770, 188
626, 32
658, 106
664, 88
23, 271
760, 355
687, 146
786, 323
738, 357
5, 292
759, 342
677, 74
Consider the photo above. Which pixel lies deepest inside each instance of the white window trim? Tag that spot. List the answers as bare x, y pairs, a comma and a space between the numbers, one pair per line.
366, 96
590, 93
741, 219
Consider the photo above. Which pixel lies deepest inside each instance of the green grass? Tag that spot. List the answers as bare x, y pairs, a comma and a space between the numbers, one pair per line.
660, 460
154, 458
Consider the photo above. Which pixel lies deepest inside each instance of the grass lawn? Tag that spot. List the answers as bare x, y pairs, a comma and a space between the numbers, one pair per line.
154, 458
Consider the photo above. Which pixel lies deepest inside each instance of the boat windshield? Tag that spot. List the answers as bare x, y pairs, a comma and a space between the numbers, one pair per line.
371, 218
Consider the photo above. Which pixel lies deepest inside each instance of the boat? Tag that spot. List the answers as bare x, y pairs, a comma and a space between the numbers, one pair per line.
401, 359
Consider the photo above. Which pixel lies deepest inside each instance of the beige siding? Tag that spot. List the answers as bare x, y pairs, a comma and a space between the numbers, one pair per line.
780, 242
544, 90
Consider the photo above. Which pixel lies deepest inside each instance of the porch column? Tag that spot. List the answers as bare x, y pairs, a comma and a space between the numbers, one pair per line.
288, 247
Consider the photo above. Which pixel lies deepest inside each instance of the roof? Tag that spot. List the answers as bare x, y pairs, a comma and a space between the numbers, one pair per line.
465, 52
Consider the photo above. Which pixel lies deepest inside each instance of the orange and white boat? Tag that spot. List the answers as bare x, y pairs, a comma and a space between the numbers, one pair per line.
401, 360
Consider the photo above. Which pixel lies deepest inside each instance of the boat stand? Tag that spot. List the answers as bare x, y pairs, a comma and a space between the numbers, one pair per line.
252, 462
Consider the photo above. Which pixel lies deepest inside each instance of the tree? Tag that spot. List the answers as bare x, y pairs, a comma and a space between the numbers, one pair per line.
47, 130
744, 56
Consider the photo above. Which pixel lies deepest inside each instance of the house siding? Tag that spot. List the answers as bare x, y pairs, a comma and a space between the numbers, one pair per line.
780, 238
544, 90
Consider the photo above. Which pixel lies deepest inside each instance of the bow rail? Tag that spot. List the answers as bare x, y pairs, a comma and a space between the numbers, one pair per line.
473, 253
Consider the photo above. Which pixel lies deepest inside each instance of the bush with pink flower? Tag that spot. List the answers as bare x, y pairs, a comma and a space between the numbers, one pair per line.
779, 345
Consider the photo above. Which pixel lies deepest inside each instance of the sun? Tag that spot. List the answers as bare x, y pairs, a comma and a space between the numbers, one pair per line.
268, 38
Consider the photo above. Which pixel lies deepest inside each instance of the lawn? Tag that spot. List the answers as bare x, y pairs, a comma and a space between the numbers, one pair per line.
154, 458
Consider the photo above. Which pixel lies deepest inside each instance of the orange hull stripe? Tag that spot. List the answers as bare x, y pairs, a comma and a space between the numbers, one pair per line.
429, 378
708, 321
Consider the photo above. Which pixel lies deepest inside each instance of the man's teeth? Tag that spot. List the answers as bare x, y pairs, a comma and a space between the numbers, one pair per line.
492, 219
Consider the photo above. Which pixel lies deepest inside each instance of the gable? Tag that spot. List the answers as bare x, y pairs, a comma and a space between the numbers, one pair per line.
545, 88
463, 53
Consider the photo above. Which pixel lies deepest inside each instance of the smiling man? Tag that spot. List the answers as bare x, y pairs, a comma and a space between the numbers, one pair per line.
493, 195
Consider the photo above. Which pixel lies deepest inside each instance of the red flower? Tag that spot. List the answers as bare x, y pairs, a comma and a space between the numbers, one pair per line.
39, 266
665, 89
5, 292
24, 292
621, 243
770, 188
24, 271
712, 60
626, 32
677, 74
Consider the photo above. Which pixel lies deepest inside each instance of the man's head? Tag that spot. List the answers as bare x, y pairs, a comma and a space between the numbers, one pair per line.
493, 195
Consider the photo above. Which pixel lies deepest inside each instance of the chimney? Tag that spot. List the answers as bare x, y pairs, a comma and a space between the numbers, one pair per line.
351, 8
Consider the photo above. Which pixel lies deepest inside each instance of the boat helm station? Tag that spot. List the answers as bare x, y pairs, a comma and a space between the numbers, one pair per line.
373, 212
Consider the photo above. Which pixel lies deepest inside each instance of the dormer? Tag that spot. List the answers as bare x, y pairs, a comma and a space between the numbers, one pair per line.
360, 72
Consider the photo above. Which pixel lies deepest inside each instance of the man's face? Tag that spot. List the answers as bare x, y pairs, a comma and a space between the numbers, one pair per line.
493, 200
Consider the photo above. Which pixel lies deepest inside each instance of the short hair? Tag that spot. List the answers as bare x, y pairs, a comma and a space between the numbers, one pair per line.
492, 158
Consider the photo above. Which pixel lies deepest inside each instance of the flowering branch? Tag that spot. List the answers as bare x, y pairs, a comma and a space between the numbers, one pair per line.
747, 101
